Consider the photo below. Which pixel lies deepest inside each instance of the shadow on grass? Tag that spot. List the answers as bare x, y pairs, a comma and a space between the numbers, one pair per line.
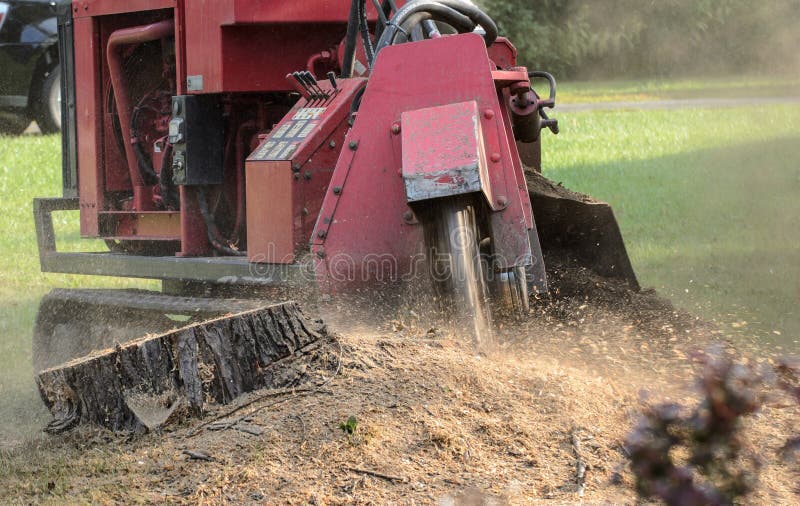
717, 230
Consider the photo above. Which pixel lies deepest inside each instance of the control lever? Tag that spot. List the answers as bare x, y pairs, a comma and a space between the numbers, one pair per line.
299, 85
332, 79
312, 83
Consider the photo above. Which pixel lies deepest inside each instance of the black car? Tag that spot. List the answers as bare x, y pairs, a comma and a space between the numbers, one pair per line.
30, 78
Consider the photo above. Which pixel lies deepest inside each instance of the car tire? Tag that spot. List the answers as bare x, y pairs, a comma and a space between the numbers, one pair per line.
13, 124
48, 110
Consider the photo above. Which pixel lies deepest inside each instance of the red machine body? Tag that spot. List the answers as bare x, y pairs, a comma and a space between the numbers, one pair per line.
219, 143
367, 229
141, 53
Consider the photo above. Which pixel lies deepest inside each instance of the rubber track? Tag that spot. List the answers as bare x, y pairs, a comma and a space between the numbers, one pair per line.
152, 301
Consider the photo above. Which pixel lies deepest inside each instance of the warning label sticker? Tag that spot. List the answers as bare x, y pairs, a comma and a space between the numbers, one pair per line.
284, 141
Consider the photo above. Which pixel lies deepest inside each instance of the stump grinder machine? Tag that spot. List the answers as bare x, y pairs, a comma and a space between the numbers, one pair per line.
239, 150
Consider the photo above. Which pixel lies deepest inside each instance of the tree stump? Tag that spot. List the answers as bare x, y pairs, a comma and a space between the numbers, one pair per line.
139, 384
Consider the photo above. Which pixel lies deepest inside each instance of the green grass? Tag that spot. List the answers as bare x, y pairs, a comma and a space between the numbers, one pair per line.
659, 89
707, 201
30, 166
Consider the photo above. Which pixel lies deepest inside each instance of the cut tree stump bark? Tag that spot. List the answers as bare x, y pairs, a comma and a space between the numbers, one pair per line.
141, 383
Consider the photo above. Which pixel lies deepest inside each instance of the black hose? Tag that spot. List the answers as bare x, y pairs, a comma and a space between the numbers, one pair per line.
143, 160
144, 165
452, 17
382, 16
356, 103
168, 191
365, 37
463, 16
211, 227
351, 41
550, 79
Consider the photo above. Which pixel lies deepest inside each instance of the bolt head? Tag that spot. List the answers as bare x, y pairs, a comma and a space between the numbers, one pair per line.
408, 216
396, 128
337, 190
502, 201
353, 145
488, 113
495, 157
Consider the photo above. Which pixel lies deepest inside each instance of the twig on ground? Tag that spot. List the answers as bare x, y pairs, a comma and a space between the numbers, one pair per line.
580, 465
198, 455
247, 430
376, 474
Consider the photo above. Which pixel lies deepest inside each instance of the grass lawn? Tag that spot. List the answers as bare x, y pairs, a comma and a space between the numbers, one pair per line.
660, 89
707, 200
30, 166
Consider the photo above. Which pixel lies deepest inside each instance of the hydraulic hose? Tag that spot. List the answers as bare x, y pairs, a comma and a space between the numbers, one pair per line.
452, 17
351, 40
463, 16
168, 191
214, 237
365, 36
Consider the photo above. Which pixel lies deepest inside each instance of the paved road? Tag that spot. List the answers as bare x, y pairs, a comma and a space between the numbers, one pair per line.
684, 103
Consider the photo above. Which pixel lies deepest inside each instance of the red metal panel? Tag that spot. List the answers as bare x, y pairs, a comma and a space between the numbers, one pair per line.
250, 45
443, 151
90, 8
288, 174
366, 219
87, 101
204, 41
257, 58
194, 239
503, 53
305, 11
270, 213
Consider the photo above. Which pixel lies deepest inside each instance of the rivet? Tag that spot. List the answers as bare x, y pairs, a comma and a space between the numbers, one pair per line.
488, 114
495, 157
353, 145
320, 254
502, 201
408, 216
337, 190
296, 175
321, 234
295, 168
396, 128
307, 175
332, 144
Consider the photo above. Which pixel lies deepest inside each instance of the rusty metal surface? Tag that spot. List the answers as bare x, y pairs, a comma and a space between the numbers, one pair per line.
443, 151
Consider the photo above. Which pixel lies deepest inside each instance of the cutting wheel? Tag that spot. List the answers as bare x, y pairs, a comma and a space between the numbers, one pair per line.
456, 267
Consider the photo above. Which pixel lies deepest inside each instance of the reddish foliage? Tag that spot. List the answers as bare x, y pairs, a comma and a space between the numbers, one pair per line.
716, 471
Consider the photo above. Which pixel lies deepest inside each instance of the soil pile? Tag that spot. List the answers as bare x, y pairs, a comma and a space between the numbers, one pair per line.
402, 413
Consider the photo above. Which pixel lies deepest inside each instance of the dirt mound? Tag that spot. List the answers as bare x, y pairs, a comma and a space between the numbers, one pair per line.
401, 412
403, 416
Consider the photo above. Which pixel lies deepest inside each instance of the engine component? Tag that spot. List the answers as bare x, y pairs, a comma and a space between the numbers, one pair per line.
197, 137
